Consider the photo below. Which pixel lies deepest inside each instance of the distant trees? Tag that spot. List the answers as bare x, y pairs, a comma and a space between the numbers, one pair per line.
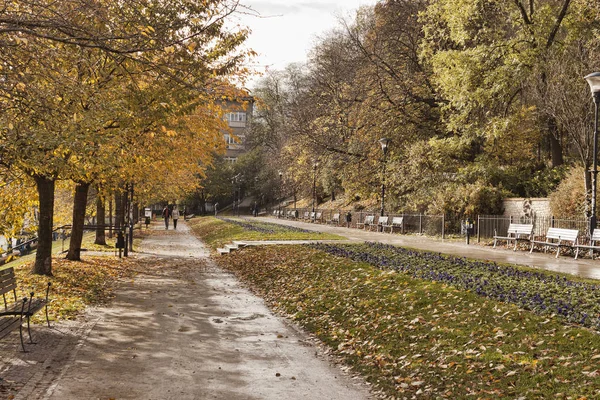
482, 99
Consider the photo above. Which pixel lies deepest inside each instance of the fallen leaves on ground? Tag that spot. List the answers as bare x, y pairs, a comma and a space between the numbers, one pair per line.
75, 284
415, 338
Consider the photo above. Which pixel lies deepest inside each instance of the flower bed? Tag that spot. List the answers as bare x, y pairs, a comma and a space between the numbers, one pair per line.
544, 293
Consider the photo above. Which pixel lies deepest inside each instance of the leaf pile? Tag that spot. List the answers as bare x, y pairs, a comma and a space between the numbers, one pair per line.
575, 300
413, 338
216, 232
75, 284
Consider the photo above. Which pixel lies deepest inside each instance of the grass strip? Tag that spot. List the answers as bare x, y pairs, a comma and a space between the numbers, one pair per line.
218, 232
414, 338
574, 299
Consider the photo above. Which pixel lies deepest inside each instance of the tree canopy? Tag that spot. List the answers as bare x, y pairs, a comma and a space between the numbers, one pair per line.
481, 100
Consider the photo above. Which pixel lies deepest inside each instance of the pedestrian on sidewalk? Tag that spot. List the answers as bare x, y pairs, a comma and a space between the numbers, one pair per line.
166, 214
175, 216
216, 209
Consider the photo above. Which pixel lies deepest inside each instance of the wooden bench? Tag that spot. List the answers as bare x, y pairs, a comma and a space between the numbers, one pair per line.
188, 217
592, 246
396, 223
16, 310
368, 222
383, 223
318, 217
515, 233
334, 220
557, 237
306, 215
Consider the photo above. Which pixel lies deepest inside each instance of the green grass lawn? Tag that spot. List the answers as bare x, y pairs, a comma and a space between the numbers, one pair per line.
413, 337
218, 232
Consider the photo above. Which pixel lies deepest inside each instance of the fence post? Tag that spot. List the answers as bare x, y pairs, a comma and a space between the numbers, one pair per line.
420, 224
478, 235
403, 223
552, 221
443, 223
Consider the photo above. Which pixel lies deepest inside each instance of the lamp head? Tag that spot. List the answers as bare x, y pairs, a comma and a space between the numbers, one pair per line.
593, 80
384, 142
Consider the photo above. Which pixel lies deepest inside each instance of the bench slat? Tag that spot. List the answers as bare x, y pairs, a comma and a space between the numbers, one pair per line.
7, 325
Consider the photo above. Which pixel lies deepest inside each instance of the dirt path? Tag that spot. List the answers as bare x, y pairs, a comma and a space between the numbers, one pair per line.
184, 329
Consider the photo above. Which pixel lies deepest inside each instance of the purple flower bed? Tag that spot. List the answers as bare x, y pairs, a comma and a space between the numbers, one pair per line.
541, 292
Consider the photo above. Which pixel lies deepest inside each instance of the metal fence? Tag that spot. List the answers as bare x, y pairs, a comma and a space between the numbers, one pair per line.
485, 226
489, 225
433, 225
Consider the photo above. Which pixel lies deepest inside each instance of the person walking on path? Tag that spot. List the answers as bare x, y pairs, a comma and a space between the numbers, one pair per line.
166, 214
175, 216
216, 209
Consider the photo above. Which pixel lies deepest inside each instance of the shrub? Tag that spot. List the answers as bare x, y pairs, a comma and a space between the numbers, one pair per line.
569, 200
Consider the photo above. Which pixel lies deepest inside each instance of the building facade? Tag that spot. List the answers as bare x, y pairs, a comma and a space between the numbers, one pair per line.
238, 115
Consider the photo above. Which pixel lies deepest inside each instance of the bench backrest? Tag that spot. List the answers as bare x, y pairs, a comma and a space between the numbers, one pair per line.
596, 235
319, 215
336, 217
562, 234
520, 229
369, 219
8, 283
383, 220
397, 221
305, 214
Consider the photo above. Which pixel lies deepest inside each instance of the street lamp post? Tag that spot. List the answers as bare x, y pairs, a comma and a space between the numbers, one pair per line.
384, 146
594, 81
314, 191
280, 193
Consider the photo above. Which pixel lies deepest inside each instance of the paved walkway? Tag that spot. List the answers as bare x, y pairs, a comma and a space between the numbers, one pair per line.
183, 329
585, 267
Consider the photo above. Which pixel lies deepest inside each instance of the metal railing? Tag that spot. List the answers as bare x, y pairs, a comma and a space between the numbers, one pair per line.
486, 226
432, 225
489, 225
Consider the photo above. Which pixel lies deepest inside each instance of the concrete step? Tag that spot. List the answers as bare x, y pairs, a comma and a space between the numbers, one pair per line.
230, 247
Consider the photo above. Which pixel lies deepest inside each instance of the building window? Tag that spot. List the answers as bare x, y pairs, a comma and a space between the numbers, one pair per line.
231, 159
230, 139
235, 117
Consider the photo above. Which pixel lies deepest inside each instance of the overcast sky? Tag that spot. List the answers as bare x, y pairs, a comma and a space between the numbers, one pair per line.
287, 29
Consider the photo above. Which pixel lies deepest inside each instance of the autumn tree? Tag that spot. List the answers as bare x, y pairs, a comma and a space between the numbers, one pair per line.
185, 47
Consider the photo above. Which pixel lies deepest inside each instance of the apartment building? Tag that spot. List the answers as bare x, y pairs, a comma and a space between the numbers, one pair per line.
239, 118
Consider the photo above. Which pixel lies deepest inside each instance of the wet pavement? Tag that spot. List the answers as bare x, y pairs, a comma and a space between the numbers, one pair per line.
582, 267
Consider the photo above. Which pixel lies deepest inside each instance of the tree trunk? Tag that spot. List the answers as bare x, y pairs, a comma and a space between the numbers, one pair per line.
556, 151
110, 217
118, 210
43, 256
79, 206
100, 224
